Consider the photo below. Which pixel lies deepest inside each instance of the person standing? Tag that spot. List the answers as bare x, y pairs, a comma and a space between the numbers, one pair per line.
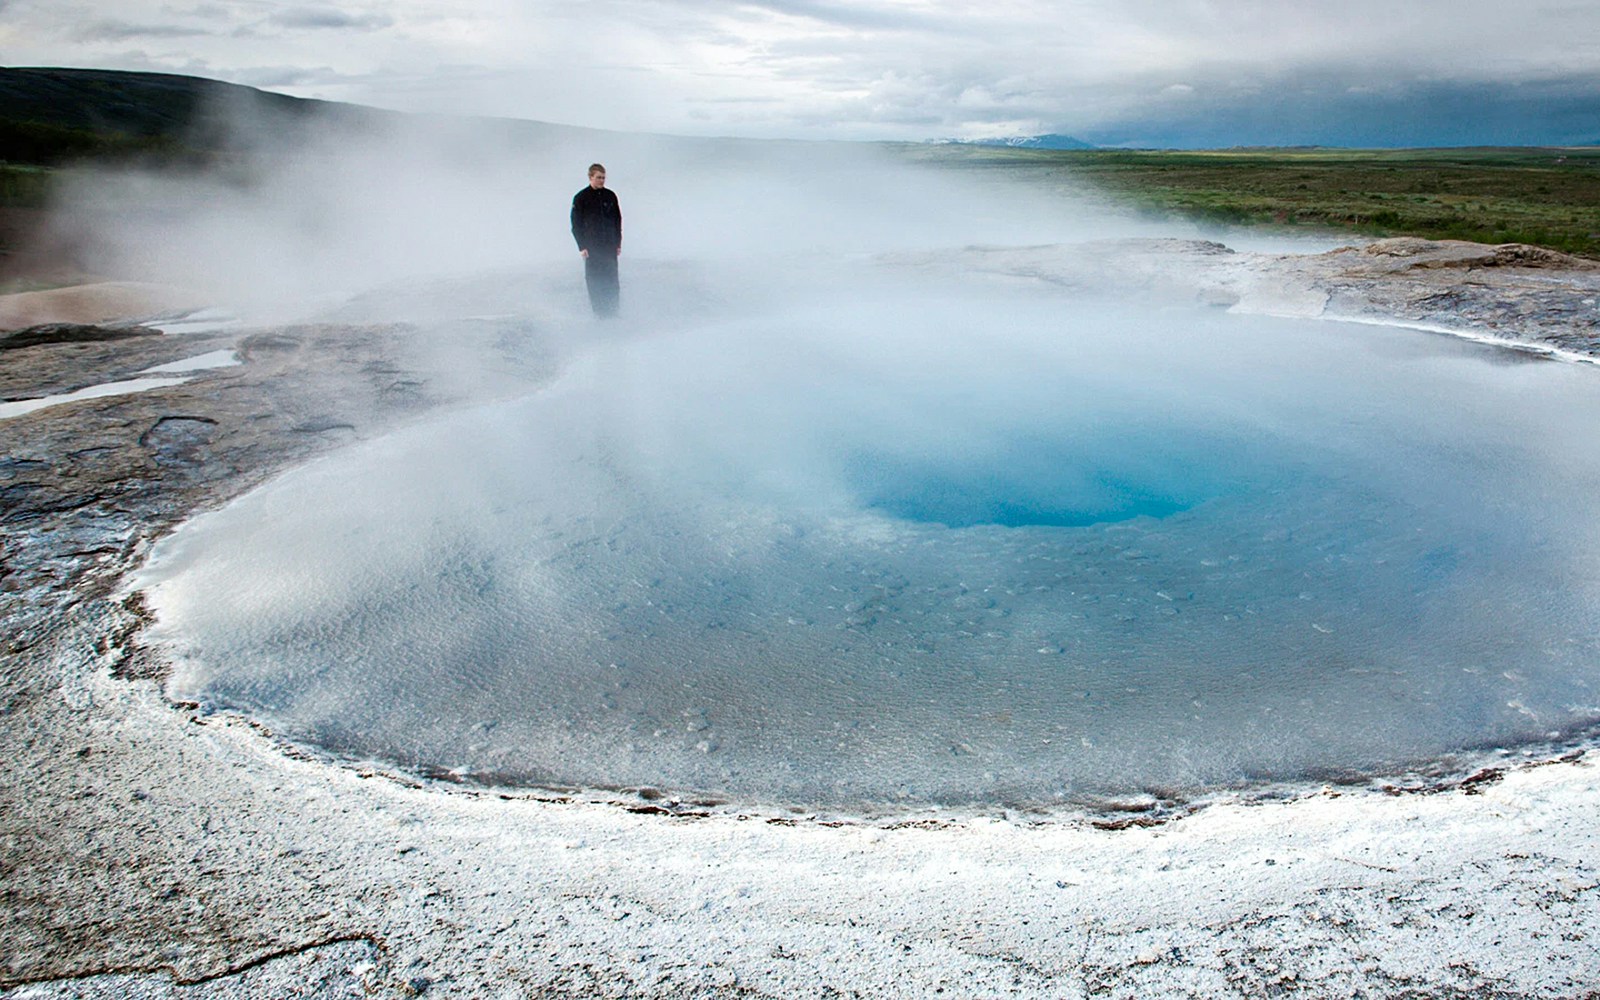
597, 226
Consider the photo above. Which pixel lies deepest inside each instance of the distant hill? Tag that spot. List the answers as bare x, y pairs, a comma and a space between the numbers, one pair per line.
50, 115
135, 104
1051, 141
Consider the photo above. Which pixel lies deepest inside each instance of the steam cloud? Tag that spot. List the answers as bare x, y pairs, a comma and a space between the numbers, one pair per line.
303, 212
808, 528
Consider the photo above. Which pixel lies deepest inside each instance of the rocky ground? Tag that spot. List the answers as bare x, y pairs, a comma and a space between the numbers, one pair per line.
1522, 295
148, 850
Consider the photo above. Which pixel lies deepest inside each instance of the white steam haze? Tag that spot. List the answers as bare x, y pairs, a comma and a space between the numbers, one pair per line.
903, 548
314, 213
809, 523
340, 210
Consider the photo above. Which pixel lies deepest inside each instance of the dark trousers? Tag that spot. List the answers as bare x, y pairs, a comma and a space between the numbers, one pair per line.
600, 274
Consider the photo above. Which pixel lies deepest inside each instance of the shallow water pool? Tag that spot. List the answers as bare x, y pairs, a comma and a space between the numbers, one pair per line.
937, 552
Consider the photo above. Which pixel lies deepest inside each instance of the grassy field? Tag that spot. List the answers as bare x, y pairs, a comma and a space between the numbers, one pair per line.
1545, 196
24, 187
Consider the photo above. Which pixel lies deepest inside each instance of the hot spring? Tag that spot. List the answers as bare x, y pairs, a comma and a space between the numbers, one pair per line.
957, 550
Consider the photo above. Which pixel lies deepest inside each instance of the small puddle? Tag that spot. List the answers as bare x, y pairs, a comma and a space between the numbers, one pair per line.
200, 362
19, 407
205, 321
158, 377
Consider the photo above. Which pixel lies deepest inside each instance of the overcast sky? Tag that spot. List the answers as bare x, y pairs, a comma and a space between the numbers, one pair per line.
1135, 72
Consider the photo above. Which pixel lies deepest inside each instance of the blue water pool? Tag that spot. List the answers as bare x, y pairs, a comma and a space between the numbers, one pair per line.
950, 552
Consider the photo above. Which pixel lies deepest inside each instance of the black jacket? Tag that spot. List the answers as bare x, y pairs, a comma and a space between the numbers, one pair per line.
596, 220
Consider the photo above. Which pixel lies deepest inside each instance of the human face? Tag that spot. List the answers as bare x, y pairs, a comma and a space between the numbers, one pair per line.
597, 180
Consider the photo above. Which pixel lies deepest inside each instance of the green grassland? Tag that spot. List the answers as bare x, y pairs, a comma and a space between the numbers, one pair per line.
1548, 197
24, 187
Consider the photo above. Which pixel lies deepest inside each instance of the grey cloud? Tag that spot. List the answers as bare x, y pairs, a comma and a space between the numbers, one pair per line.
739, 100
722, 20
122, 31
276, 77
1206, 107
1296, 87
1367, 71
328, 17
1332, 112
854, 15
205, 11
138, 60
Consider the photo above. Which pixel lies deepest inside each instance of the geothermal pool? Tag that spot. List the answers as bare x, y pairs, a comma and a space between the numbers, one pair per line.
966, 551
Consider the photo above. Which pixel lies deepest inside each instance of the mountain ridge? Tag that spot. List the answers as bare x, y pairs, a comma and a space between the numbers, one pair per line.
1051, 140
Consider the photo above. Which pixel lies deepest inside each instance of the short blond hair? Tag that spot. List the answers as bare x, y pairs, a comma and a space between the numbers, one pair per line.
596, 168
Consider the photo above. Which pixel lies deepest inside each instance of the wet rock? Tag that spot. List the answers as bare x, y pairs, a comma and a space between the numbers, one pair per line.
323, 425
180, 441
9, 467
71, 333
1518, 293
268, 342
1429, 254
405, 392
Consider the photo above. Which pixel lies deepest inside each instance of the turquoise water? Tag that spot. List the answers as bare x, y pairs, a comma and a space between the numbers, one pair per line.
1043, 482
964, 551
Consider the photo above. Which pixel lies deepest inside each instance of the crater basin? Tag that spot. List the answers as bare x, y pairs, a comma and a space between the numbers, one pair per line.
949, 552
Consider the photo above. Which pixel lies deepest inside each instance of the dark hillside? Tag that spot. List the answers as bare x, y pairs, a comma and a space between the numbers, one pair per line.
53, 116
55, 121
102, 101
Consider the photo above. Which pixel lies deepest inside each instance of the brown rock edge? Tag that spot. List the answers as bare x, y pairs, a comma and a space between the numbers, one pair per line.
101, 302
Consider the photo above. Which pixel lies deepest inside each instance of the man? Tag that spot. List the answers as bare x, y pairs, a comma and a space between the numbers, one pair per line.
597, 226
